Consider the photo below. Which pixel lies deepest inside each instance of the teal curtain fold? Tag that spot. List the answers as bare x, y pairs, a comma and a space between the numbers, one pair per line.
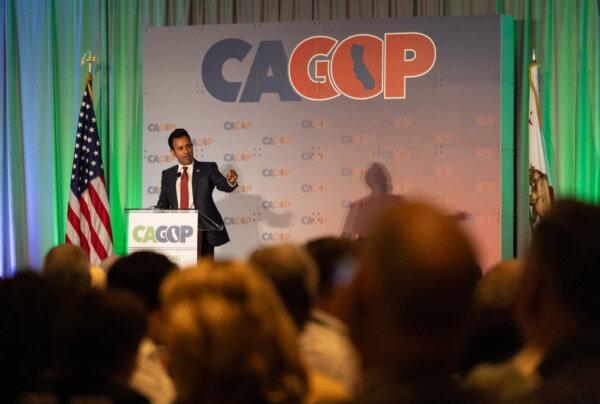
42, 81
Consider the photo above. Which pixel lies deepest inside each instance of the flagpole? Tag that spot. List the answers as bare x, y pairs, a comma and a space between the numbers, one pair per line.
89, 58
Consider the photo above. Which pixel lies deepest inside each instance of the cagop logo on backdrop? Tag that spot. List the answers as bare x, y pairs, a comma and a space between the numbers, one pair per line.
320, 68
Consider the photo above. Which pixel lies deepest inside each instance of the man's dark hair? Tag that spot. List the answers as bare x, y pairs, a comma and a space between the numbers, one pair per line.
329, 253
566, 244
176, 134
141, 274
104, 331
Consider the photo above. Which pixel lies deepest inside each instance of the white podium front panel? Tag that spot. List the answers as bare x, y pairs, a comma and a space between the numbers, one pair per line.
173, 234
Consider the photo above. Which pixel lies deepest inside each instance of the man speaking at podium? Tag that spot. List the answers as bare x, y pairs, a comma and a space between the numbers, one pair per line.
190, 184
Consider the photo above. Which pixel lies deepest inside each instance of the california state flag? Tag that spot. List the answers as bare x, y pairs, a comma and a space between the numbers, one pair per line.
541, 193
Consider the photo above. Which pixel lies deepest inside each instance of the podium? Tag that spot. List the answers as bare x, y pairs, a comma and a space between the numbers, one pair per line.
176, 233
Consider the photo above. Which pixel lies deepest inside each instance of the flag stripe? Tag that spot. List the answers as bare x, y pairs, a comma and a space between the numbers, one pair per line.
99, 201
84, 226
74, 224
72, 236
93, 229
102, 249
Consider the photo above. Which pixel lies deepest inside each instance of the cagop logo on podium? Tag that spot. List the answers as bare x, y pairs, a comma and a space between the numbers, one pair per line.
171, 233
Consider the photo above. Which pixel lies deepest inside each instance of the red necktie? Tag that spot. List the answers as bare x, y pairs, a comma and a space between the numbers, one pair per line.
183, 190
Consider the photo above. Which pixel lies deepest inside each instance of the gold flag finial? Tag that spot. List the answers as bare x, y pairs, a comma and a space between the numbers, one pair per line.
89, 58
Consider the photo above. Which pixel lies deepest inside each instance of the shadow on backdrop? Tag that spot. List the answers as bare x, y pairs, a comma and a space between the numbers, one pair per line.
364, 212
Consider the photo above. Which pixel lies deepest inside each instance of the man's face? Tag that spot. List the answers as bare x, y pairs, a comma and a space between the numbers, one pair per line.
183, 150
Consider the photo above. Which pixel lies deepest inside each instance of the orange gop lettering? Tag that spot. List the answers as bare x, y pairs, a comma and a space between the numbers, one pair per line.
361, 66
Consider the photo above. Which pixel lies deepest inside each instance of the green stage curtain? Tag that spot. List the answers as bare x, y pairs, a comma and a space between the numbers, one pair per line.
42, 81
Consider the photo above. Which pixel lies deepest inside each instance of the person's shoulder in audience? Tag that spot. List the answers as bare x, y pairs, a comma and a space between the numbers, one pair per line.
559, 304
322, 389
326, 347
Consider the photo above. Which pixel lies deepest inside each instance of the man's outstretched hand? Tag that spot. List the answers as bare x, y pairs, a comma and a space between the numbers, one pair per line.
232, 177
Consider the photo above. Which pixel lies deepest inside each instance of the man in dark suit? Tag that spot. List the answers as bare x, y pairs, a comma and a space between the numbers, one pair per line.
179, 191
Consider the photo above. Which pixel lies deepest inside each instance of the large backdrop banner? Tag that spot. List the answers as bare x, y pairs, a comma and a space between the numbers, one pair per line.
329, 122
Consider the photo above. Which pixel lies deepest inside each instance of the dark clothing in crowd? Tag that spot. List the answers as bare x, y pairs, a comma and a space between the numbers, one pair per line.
571, 371
85, 387
64, 346
388, 386
28, 329
495, 339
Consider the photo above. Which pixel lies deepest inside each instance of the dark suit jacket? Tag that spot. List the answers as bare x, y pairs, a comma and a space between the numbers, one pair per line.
205, 178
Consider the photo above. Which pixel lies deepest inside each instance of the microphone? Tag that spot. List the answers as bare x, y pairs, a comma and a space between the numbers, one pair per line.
178, 174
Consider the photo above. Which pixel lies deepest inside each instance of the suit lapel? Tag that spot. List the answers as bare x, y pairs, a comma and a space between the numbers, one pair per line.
195, 177
174, 193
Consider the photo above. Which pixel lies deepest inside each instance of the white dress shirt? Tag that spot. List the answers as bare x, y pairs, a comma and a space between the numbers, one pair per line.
325, 347
150, 377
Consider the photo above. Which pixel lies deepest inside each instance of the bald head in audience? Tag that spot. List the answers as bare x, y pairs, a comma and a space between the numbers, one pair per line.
67, 265
412, 296
294, 274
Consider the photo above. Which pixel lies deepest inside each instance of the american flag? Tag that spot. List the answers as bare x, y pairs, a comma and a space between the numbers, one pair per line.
88, 220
